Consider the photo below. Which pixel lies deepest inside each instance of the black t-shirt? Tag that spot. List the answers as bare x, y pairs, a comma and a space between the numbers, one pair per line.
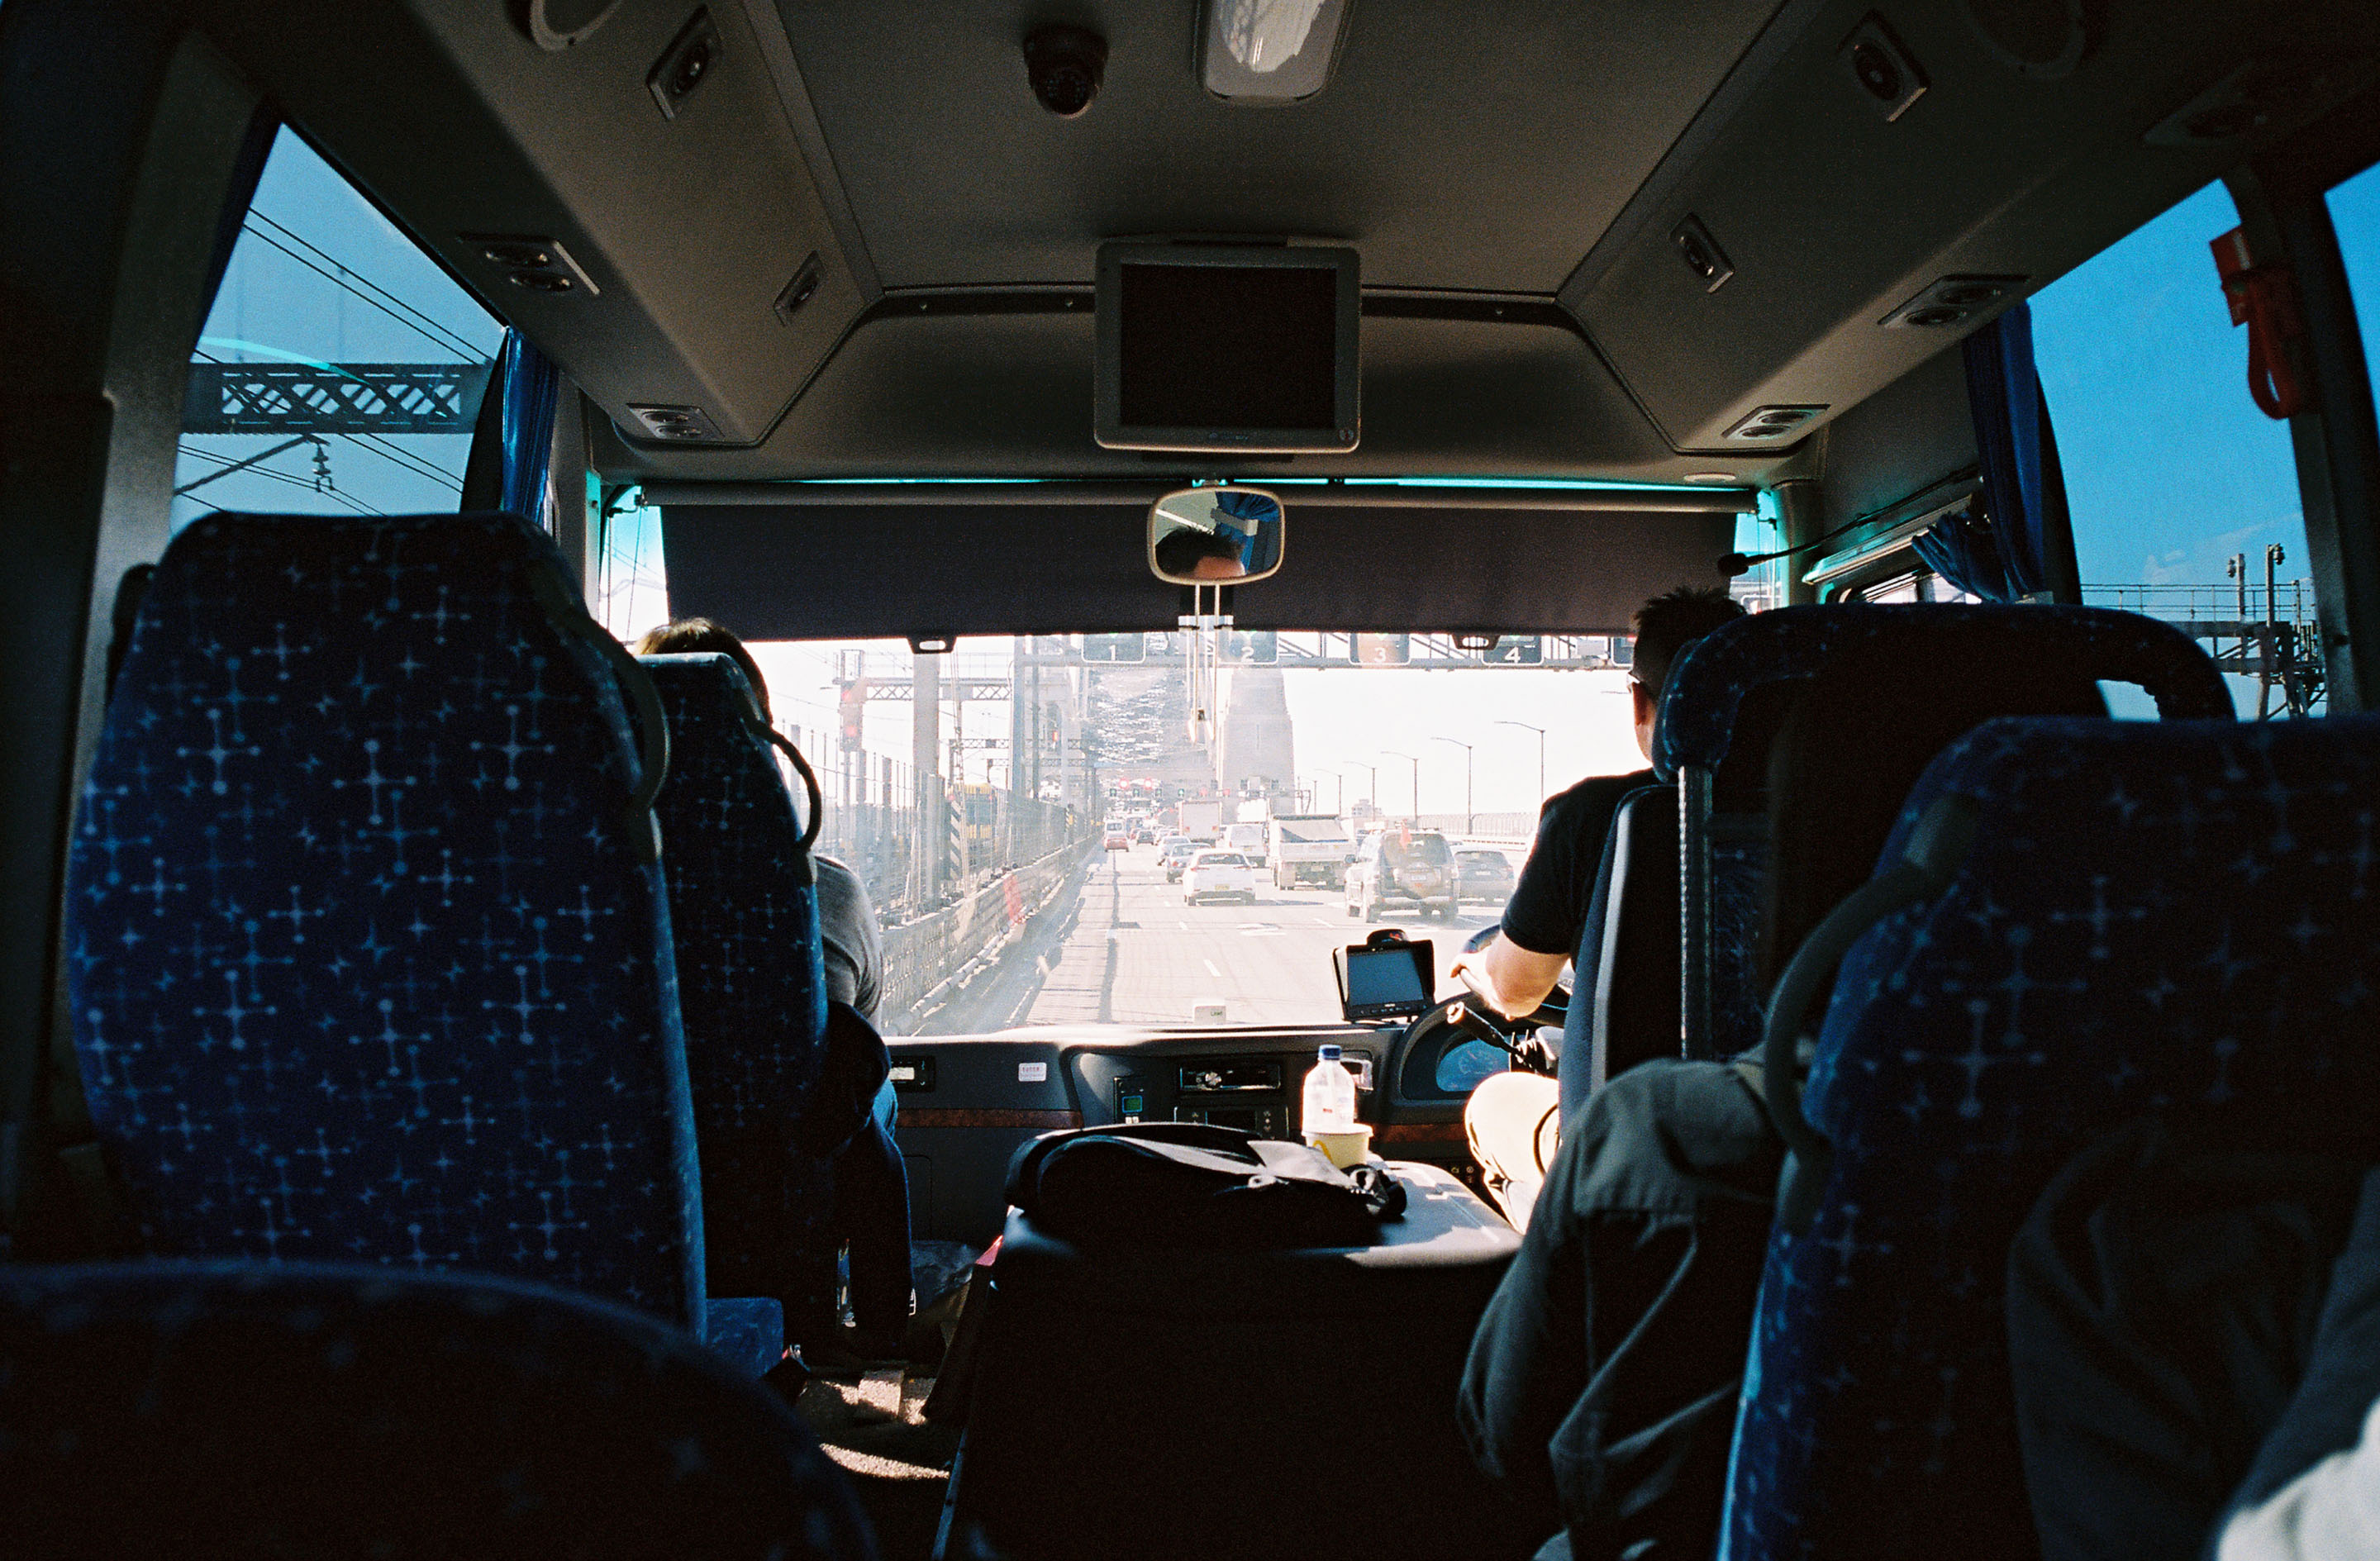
1549, 905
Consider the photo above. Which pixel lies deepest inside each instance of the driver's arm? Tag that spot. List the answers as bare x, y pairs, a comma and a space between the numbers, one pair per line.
1510, 979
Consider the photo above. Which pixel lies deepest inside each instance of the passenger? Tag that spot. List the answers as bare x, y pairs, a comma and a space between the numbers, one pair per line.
1602, 1382
2194, 1323
871, 1181
1514, 1119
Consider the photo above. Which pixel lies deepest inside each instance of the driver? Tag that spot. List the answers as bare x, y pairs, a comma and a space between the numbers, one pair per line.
1514, 1119
1602, 1382
1189, 554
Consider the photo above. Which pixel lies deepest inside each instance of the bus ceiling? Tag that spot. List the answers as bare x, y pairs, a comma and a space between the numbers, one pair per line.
1680, 240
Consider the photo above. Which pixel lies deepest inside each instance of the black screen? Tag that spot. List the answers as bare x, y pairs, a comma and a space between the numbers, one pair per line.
1384, 976
1228, 346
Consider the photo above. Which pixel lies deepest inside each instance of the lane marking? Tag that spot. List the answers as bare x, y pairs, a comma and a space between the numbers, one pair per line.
1211, 969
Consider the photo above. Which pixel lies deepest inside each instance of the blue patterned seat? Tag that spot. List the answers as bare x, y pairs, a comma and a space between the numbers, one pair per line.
368, 956
2162, 915
751, 989
239, 1408
1725, 857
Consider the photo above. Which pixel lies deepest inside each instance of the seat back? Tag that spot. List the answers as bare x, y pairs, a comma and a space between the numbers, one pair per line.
1148, 1399
1861, 732
751, 989
1702, 706
1624, 996
2150, 915
368, 954
238, 1409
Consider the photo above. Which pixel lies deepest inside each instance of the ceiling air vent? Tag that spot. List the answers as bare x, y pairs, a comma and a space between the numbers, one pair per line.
530, 261
678, 424
1956, 300
1772, 425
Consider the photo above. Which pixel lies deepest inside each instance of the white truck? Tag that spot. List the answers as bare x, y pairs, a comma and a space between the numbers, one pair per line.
1309, 848
1202, 821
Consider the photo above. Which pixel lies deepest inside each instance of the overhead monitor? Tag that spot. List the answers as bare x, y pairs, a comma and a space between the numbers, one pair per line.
1241, 349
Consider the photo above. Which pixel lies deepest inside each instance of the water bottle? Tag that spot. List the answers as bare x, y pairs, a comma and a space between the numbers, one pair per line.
1330, 1095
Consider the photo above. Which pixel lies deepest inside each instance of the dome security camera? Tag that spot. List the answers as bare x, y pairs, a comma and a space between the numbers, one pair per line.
1065, 65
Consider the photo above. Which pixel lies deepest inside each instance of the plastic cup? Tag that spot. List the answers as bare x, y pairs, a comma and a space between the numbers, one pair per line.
1346, 1150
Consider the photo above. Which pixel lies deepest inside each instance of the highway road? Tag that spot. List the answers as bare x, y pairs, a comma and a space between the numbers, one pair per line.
1126, 951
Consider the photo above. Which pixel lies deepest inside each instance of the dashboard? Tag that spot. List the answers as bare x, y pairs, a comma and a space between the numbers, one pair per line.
968, 1103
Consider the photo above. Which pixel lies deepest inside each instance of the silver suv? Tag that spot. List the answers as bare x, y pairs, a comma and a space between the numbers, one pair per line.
1399, 866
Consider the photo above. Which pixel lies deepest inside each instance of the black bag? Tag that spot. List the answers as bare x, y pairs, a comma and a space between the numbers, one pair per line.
1191, 1184
850, 1075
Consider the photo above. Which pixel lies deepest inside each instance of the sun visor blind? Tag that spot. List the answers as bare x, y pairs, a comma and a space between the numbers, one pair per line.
829, 572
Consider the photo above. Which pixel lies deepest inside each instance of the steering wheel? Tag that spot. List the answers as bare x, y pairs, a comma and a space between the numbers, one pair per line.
1467, 1017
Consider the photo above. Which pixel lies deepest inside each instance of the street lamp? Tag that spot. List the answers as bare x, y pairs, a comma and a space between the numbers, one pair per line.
1469, 817
1541, 752
1371, 788
1392, 754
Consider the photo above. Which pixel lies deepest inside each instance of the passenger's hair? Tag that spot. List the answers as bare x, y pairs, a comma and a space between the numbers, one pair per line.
694, 636
1178, 551
1674, 620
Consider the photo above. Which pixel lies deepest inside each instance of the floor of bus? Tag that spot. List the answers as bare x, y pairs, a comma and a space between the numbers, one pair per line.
898, 1465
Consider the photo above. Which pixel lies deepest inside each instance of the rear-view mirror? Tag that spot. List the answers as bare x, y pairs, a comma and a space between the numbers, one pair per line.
1215, 536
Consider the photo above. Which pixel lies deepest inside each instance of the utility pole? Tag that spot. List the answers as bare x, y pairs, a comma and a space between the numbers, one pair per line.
2274, 557
1018, 703
925, 755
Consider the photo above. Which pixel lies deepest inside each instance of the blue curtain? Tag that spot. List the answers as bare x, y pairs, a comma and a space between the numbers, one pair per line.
1997, 547
531, 387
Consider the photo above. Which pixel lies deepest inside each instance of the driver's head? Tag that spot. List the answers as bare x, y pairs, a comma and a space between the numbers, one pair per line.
1665, 626
691, 636
1186, 552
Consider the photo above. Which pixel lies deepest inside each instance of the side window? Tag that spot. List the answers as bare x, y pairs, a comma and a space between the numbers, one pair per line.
2355, 213
340, 369
631, 587
2184, 495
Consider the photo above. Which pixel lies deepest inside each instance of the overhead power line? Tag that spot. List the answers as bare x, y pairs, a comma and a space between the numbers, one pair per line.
338, 275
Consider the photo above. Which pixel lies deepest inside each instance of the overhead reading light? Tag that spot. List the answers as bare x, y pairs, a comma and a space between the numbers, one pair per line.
1270, 52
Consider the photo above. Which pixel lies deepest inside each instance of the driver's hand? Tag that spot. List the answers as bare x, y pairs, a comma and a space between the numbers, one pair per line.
1473, 977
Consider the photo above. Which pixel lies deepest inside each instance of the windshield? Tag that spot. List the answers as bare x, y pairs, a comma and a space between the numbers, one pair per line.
982, 821
1400, 847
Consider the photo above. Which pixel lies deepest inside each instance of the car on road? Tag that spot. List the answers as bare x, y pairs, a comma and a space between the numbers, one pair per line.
1174, 853
1483, 873
1117, 839
1219, 875
1402, 866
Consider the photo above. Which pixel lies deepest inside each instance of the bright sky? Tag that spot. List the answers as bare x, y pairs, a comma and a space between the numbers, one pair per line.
2170, 467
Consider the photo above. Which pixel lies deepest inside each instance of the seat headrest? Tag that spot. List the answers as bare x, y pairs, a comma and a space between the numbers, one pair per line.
1711, 675
221, 1408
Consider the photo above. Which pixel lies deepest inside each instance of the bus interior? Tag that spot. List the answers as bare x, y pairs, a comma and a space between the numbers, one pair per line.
381, 934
